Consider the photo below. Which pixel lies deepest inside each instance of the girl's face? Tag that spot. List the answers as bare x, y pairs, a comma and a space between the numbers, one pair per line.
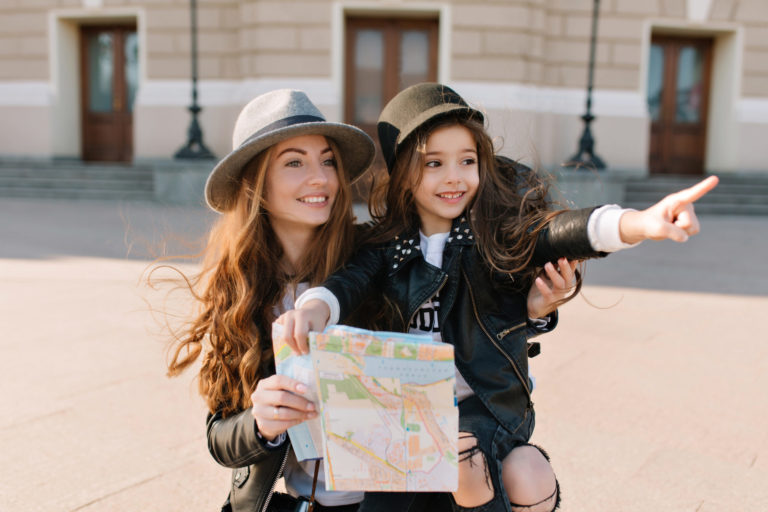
301, 183
449, 179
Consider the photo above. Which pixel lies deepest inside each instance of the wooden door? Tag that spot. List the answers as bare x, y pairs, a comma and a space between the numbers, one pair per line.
383, 57
109, 78
678, 95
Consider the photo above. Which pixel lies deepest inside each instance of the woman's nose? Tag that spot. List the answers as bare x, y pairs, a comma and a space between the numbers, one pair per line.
317, 174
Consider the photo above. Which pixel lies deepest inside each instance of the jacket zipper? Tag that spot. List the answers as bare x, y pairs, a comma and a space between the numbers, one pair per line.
503, 333
495, 344
274, 482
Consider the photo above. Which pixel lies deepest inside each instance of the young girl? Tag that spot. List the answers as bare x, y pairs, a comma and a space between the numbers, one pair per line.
457, 245
286, 224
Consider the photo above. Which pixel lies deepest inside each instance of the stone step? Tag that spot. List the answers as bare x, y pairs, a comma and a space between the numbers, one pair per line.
74, 172
53, 193
650, 197
82, 173
741, 194
722, 188
75, 180
714, 208
74, 183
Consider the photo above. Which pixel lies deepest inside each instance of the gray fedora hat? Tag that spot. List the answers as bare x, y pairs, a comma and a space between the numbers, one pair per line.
412, 108
271, 118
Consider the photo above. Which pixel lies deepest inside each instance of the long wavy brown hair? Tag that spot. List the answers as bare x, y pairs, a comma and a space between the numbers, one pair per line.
511, 206
243, 277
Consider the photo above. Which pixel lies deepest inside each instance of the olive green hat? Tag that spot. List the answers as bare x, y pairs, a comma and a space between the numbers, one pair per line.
412, 108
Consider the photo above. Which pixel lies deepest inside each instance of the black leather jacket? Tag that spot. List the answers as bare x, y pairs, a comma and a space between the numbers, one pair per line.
256, 468
482, 314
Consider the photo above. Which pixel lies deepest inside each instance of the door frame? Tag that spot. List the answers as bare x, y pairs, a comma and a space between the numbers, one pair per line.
722, 144
64, 50
388, 26
339, 14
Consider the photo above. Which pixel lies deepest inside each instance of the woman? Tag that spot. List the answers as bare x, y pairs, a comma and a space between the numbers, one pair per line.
286, 224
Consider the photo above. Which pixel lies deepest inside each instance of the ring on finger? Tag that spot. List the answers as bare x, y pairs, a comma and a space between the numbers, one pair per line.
275, 412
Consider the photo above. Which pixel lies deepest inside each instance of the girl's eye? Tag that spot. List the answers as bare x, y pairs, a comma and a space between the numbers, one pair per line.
433, 163
469, 161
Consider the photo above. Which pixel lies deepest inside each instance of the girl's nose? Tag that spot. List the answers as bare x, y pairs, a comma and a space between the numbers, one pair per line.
452, 174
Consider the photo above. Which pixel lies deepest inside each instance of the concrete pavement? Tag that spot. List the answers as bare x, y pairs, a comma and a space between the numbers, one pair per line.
651, 394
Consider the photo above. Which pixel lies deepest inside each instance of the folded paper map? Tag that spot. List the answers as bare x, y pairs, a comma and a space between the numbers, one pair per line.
388, 410
306, 438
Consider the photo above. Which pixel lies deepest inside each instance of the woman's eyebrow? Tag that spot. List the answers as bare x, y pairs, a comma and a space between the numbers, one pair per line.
295, 150
301, 151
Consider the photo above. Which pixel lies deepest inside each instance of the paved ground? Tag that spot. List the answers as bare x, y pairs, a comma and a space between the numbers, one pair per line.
651, 394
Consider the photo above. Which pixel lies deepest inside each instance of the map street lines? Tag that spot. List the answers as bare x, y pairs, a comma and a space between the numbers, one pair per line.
388, 410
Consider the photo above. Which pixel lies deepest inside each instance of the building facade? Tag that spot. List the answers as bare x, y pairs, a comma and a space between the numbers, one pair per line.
680, 86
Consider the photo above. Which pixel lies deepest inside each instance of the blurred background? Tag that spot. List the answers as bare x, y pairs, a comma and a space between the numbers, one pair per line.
652, 391
675, 87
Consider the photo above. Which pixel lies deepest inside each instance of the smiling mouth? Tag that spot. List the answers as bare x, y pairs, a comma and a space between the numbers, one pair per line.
313, 199
450, 195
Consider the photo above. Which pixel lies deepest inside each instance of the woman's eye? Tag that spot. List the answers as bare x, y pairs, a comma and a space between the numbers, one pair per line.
293, 163
330, 162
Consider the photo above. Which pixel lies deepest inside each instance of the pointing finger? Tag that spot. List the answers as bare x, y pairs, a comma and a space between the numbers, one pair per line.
696, 192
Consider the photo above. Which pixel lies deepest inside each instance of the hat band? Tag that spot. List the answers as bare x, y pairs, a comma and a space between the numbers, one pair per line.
283, 123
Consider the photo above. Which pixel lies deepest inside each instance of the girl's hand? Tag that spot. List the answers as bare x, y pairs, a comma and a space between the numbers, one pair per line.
278, 406
671, 218
312, 316
551, 287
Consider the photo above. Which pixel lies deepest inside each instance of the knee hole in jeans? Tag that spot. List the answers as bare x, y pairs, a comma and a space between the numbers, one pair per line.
530, 481
473, 472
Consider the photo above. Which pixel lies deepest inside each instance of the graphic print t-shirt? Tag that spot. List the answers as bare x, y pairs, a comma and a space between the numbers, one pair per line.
425, 321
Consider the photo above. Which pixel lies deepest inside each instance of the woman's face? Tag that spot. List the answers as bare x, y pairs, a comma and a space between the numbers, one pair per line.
301, 183
449, 179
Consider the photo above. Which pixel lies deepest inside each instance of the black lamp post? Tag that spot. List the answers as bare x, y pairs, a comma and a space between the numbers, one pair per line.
585, 156
194, 147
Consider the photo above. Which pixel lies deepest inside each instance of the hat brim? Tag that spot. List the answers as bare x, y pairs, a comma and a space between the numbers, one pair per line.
356, 148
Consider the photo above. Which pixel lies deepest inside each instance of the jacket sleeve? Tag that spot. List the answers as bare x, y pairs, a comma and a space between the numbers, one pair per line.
566, 236
353, 282
233, 442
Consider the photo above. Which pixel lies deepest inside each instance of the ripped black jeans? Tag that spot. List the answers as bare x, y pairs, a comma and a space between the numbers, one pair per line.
494, 441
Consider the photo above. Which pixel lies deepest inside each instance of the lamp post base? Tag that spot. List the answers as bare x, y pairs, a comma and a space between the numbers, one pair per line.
585, 157
194, 149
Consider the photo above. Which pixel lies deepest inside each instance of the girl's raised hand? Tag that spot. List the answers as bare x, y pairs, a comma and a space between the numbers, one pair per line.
672, 218
278, 405
312, 316
551, 287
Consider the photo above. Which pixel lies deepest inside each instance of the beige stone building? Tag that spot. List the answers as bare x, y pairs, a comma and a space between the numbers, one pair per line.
680, 86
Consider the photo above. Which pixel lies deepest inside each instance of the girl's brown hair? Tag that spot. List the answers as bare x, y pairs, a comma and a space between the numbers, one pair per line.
509, 210
243, 278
